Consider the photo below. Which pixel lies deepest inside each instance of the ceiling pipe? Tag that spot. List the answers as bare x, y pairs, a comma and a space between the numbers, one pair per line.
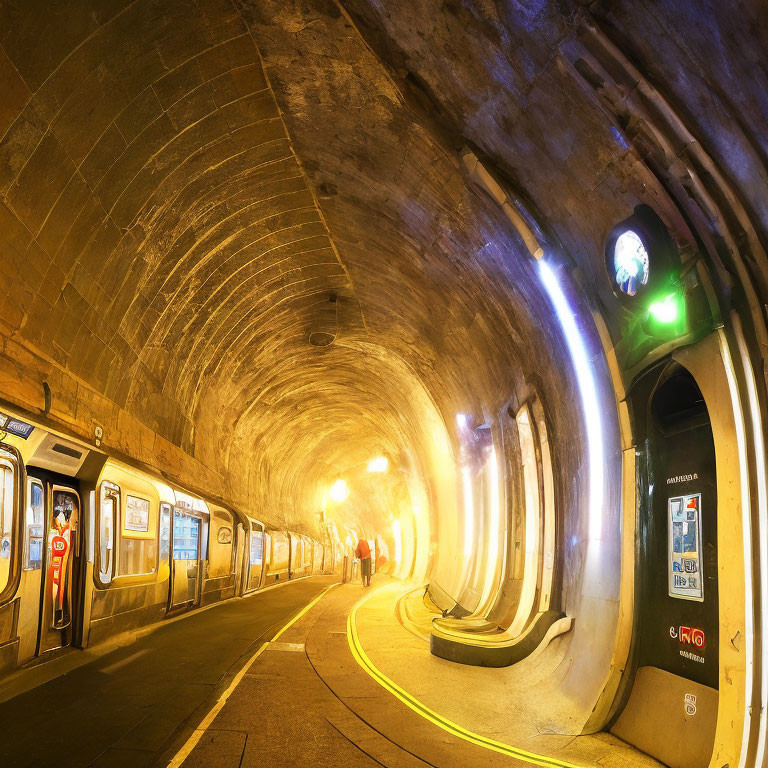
483, 178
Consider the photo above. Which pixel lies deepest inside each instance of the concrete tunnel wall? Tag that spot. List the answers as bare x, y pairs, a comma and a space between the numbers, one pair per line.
185, 190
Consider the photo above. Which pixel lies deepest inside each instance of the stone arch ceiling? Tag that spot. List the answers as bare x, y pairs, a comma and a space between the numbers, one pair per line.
167, 246
185, 184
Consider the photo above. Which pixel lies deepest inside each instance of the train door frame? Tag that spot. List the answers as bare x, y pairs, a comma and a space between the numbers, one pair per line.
195, 599
69, 631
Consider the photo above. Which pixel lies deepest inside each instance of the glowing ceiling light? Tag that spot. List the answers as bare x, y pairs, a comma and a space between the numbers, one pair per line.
339, 490
590, 402
379, 464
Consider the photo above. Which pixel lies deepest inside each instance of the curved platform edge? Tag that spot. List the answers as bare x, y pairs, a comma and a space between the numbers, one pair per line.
498, 650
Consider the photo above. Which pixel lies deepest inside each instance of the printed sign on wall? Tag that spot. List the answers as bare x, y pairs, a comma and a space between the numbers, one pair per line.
136, 514
685, 571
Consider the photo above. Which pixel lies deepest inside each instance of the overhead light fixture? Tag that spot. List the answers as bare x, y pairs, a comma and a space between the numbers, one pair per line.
339, 490
379, 464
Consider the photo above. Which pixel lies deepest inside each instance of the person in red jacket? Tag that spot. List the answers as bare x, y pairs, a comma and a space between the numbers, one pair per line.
363, 551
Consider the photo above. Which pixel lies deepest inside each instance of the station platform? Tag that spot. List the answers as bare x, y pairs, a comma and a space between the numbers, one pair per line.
313, 673
352, 683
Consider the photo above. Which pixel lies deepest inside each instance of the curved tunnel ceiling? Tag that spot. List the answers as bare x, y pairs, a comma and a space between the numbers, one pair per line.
191, 190
179, 245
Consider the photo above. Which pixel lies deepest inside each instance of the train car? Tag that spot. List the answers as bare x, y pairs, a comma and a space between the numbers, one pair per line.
91, 547
277, 566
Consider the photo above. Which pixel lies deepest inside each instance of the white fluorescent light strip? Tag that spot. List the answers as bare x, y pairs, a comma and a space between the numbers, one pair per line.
762, 516
587, 386
738, 417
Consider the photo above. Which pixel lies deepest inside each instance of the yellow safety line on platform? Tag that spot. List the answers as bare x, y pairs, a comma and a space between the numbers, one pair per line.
197, 734
421, 709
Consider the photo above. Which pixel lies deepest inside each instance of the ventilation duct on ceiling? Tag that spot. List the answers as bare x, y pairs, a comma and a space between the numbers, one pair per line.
325, 323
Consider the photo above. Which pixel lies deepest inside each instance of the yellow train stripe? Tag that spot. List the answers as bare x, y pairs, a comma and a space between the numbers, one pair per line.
358, 652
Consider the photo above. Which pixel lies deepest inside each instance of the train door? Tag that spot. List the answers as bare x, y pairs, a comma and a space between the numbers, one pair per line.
186, 558
677, 635
53, 548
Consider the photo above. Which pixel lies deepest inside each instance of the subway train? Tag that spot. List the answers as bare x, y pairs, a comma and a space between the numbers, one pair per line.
92, 547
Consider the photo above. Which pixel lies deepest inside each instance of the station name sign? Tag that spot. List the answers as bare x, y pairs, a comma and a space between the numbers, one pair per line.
15, 426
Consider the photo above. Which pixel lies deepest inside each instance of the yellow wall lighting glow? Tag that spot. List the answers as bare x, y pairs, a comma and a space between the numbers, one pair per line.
339, 490
490, 587
379, 464
398, 536
469, 512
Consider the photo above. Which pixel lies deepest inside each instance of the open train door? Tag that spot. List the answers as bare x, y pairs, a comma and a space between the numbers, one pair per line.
672, 709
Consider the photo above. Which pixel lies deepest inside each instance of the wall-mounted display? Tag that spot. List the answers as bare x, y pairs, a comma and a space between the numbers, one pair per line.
684, 562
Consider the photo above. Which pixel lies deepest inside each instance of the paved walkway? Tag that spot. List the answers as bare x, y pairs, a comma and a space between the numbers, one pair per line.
125, 707
307, 701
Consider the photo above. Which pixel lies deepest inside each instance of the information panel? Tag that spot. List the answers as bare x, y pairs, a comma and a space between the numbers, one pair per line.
684, 563
136, 514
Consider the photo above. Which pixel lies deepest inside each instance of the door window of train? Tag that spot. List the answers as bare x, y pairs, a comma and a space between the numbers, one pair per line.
138, 539
109, 504
257, 545
33, 551
221, 559
8, 477
186, 536
165, 531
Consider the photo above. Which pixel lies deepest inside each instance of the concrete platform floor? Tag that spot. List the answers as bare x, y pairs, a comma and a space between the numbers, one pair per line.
208, 692
521, 705
124, 707
307, 701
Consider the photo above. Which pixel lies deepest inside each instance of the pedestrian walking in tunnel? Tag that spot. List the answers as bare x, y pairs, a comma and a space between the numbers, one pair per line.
363, 551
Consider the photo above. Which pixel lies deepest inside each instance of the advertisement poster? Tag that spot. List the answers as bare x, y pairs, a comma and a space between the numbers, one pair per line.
685, 571
136, 514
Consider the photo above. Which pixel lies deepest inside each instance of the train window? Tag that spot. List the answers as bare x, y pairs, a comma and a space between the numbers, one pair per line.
165, 531
109, 504
7, 513
257, 545
138, 552
138, 557
33, 548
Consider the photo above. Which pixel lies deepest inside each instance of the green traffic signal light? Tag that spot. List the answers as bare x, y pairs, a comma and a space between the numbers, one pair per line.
666, 311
